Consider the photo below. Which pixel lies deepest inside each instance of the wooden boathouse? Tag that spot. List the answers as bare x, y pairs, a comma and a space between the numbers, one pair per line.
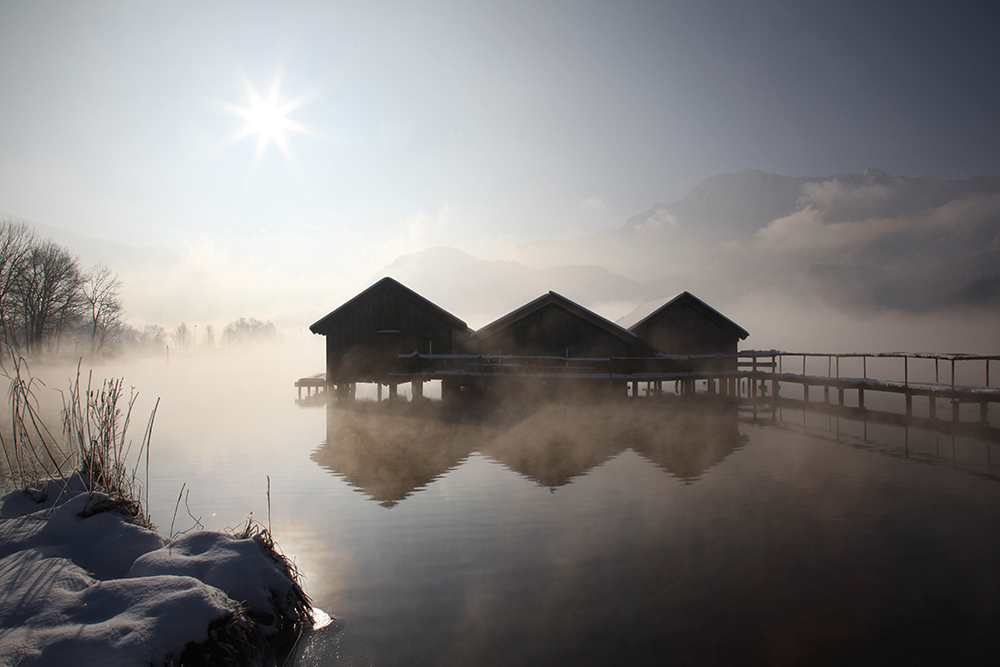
688, 325
389, 335
366, 336
554, 326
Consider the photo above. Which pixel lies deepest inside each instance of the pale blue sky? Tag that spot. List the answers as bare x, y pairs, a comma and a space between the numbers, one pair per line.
468, 124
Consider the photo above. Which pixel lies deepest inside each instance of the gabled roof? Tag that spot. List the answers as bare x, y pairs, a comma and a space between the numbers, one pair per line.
555, 299
324, 324
691, 301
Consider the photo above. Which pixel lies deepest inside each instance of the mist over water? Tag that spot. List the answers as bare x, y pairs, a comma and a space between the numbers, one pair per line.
574, 533
583, 533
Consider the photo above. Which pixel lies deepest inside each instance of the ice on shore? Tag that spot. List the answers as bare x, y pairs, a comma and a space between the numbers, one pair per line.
83, 584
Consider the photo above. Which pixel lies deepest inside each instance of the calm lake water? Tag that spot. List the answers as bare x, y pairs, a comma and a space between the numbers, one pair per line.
591, 535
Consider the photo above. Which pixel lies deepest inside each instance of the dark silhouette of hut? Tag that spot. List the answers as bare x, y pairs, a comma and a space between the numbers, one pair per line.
544, 335
366, 335
552, 325
688, 325
551, 346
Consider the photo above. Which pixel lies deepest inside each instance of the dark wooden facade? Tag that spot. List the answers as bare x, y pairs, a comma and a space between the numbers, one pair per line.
554, 326
366, 335
389, 335
688, 325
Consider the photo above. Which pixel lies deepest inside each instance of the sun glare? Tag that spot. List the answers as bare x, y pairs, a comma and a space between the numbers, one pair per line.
267, 118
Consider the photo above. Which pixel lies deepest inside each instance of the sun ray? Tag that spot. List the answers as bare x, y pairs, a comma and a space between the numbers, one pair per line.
266, 118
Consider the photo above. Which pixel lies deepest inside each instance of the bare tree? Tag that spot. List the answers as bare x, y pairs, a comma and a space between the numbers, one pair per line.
16, 239
49, 295
209, 337
102, 293
248, 330
150, 338
181, 336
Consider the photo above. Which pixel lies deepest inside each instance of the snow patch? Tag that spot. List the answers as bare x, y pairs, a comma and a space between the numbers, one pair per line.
82, 584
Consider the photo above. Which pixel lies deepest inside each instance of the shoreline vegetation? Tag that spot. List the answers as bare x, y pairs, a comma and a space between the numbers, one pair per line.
88, 580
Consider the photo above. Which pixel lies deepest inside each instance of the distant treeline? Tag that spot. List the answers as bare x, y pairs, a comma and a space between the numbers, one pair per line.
50, 305
246, 330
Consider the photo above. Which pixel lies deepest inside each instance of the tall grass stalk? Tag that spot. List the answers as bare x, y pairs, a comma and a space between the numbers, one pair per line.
95, 438
31, 452
96, 424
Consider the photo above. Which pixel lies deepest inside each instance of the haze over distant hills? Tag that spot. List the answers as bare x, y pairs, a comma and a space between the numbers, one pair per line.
861, 243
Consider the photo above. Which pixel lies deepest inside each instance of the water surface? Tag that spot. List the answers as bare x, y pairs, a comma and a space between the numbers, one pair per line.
568, 535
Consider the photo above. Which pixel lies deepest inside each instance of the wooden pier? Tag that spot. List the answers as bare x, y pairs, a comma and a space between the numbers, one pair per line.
838, 388
314, 385
817, 381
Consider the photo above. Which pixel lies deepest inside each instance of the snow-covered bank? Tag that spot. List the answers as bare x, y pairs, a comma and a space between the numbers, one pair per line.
82, 583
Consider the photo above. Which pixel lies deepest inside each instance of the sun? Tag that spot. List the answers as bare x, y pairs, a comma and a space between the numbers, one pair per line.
267, 118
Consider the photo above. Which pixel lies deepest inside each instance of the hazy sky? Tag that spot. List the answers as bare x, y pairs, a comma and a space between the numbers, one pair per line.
467, 124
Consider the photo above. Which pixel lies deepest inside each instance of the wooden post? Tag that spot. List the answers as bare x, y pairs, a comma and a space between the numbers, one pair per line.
909, 404
774, 381
953, 375
840, 396
864, 366
379, 392
826, 393
906, 372
987, 372
861, 399
805, 392
937, 370
392, 390
418, 389
635, 389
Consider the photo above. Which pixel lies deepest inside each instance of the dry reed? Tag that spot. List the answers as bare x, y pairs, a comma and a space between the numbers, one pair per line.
95, 439
96, 424
31, 452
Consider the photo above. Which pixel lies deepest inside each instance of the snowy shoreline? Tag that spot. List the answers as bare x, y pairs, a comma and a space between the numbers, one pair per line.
85, 583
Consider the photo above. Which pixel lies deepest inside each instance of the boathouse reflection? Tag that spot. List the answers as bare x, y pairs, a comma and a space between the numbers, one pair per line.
391, 451
389, 454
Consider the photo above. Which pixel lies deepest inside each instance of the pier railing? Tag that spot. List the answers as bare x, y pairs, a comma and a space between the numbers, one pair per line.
952, 380
849, 381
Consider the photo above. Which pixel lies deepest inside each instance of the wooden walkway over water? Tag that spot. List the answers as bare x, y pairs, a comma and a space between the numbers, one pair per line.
849, 381
764, 374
